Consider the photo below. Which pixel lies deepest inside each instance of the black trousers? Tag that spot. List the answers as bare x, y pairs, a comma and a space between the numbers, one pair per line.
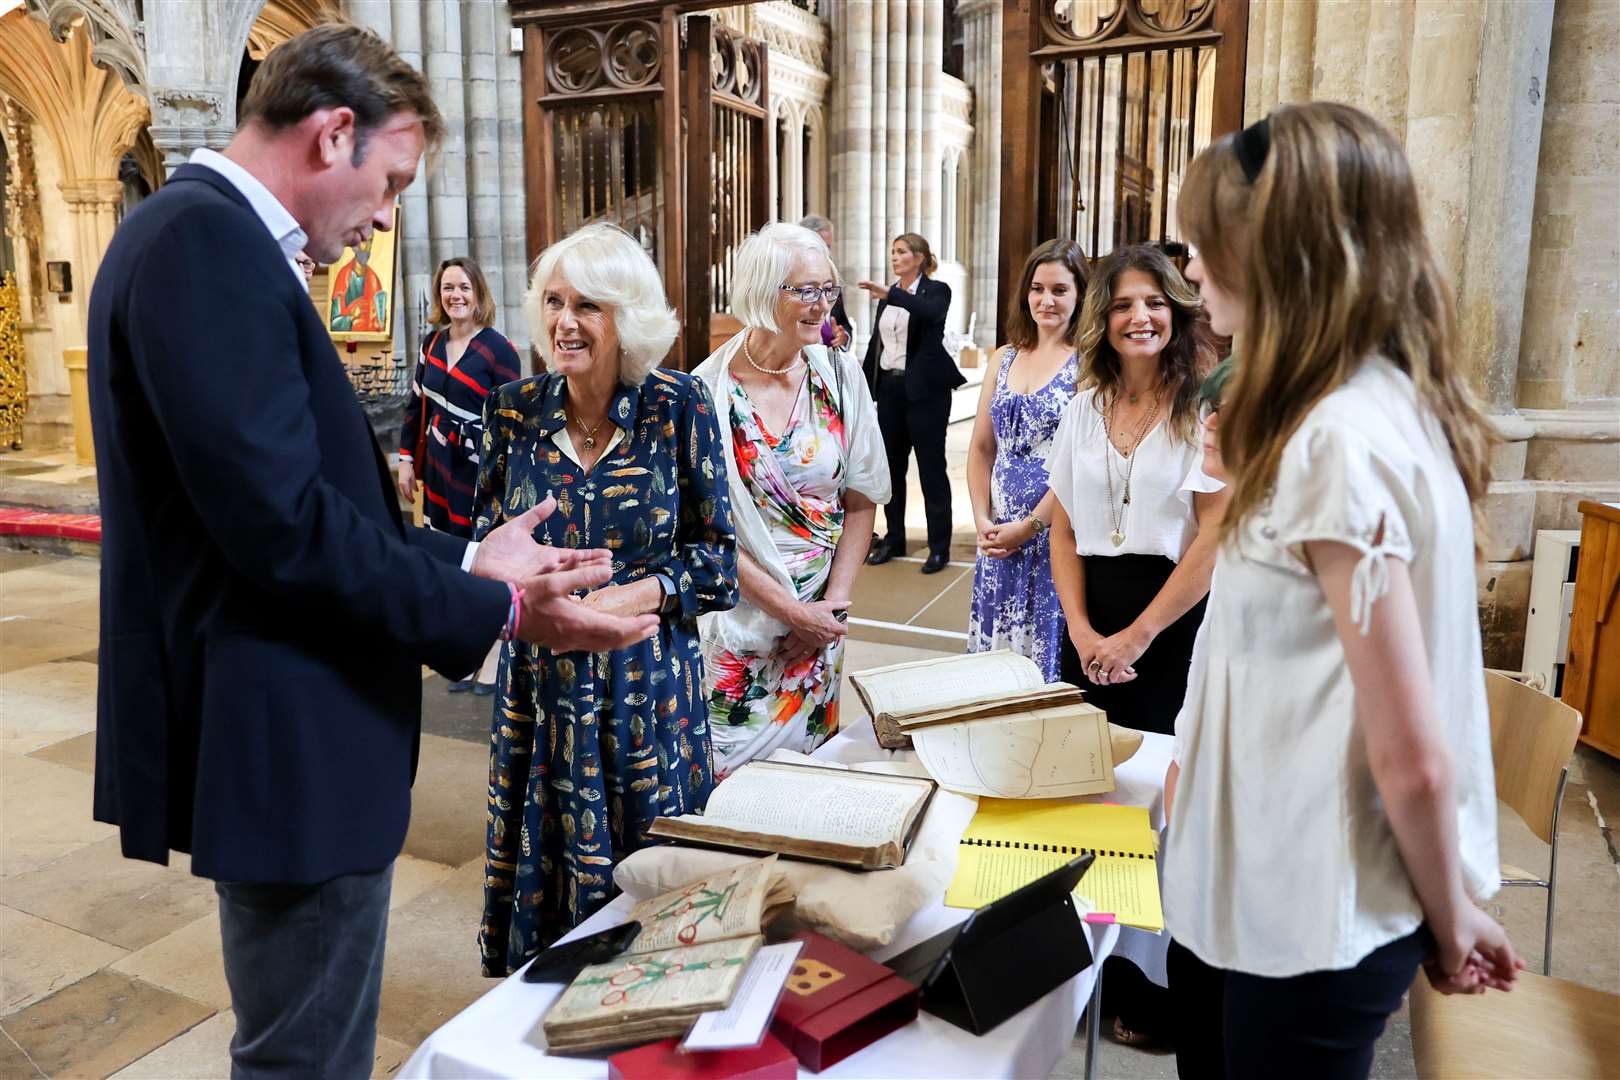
1322, 1024
1118, 589
305, 967
916, 425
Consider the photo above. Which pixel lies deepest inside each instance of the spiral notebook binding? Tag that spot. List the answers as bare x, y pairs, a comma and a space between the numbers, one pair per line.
1055, 849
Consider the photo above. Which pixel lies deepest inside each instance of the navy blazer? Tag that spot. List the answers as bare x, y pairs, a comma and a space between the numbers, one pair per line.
265, 611
929, 367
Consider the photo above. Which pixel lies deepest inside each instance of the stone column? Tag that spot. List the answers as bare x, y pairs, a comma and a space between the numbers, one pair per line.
415, 251
915, 63
894, 220
194, 52
981, 62
932, 62
853, 153
513, 194
93, 205
792, 165
447, 184
483, 141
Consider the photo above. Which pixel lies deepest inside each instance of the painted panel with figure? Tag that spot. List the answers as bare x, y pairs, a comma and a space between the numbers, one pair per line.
361, 289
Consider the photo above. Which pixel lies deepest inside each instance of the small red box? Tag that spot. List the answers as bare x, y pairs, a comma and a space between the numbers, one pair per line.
769, 1060
838, 1002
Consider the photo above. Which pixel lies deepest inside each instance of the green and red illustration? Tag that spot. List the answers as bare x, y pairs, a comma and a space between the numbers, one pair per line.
646, 972
699, 900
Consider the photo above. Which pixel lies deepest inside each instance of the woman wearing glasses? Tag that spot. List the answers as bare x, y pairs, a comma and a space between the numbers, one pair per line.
912, 376
807, 472
462, 361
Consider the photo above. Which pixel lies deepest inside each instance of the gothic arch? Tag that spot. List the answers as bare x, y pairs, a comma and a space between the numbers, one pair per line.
117, 41
282, 20
91, 116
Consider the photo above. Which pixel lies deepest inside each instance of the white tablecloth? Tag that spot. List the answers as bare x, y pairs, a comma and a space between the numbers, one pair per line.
499, 1035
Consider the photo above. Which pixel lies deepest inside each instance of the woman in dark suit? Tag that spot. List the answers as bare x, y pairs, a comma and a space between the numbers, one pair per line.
912, 377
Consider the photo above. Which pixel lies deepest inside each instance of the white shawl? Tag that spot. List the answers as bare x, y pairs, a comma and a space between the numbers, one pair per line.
745, 628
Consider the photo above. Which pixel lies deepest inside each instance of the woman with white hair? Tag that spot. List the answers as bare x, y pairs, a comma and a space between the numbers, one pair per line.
588, 749
807, 473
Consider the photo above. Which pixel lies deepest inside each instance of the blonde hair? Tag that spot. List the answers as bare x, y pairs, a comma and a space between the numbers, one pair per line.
606, 264
761, 267
1186, 358
483, 299
1327, 252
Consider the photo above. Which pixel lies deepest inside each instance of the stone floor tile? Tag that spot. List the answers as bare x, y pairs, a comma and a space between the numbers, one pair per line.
26, 641
38, 957
44, 813
204, 1053
448, 801
431, 970
390, 1056
57, 593
413, 877
24, 560
188, 962
126, 902
77, 753
15, 1064
100, 1024
46, 703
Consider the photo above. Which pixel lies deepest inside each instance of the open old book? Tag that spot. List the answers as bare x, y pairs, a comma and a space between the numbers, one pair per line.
988, 724
859, 819
694, 945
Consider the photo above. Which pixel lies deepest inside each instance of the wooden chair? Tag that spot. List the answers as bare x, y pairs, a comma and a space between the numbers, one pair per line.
1542, 1027
1532, 740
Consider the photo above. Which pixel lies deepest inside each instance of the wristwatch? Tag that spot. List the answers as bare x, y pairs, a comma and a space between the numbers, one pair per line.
672, 599
1040, 526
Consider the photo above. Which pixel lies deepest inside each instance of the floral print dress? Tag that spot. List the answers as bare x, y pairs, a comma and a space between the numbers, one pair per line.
587, 749
1014, 604
758, 704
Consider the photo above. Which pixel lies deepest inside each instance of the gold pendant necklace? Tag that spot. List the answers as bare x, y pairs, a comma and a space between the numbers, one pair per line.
590, 433
1117, 519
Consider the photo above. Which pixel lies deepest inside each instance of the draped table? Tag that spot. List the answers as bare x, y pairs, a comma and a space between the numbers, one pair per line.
499, 1035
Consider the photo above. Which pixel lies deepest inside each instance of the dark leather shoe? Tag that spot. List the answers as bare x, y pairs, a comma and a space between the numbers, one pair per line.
460, 686
483, 689
935, 562
883, 551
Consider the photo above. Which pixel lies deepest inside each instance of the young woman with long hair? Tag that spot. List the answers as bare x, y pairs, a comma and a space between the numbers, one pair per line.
1029, 383
1333, 824
1134, 529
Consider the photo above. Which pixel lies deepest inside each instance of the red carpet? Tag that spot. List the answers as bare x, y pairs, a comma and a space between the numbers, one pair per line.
17, 522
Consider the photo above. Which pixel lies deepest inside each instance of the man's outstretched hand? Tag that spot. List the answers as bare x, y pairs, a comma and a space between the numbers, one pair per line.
549, 576
510, 553
553, 617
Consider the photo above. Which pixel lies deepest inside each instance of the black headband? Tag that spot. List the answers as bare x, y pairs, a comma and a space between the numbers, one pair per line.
1253, 145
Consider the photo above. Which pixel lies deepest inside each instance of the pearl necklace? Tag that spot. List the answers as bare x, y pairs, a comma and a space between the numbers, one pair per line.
749, 356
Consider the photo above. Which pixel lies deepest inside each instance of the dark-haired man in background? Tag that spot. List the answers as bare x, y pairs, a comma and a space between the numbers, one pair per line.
265, 611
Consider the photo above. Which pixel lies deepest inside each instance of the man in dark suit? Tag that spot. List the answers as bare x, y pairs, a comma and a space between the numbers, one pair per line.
265, 612
912, 375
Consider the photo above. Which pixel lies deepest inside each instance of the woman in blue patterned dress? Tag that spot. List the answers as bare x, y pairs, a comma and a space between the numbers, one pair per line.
1026, 388
588, 749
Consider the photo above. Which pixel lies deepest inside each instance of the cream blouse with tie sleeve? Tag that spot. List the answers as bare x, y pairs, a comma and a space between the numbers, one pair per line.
1279, 858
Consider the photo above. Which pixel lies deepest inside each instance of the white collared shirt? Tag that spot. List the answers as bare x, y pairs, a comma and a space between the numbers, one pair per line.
283, 227
892, 329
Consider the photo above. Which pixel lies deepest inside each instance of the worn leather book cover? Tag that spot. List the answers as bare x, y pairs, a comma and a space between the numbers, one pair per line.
838, 1002
664, 1061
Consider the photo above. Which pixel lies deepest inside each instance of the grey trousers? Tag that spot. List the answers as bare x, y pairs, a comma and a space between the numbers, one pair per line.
305, 965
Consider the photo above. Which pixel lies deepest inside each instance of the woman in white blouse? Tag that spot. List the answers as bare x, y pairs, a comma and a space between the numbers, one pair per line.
1133, 534
1334, 820
807, 472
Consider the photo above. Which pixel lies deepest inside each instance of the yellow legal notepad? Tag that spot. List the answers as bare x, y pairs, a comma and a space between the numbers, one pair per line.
1011, 842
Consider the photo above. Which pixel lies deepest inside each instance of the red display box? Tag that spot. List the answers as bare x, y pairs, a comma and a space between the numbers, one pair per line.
838, 1002
664, 1061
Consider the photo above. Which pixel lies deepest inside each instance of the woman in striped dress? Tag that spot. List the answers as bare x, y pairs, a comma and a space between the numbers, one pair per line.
462, 361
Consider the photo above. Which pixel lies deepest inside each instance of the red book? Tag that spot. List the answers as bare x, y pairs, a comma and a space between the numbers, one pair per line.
838, 1002
769, 1060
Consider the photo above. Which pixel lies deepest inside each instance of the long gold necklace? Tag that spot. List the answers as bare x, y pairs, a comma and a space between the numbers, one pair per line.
1117, 518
